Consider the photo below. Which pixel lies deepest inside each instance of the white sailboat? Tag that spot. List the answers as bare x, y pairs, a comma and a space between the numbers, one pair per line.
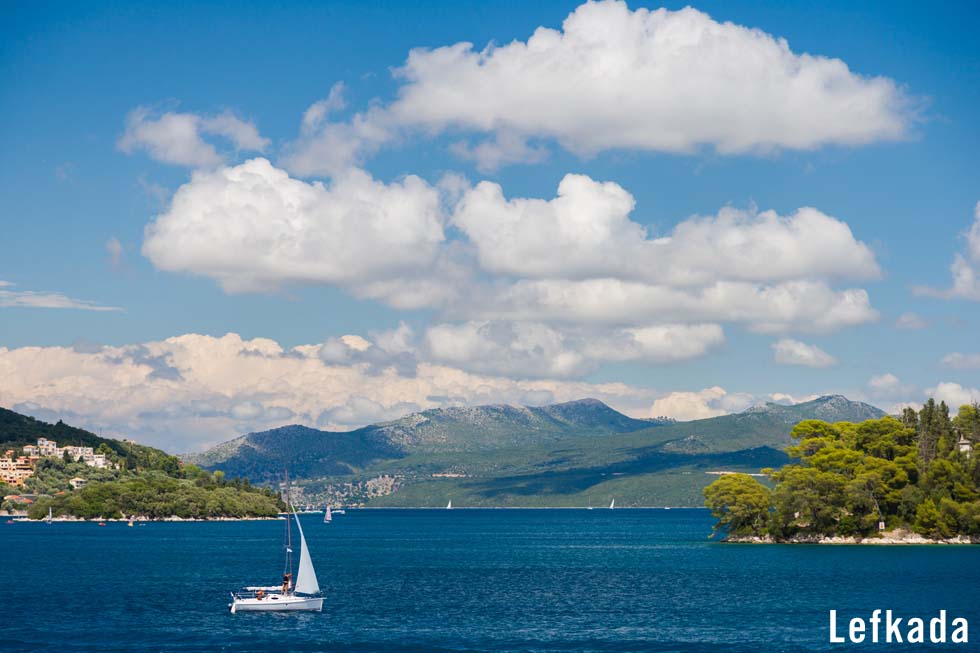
327, 516
50, 516
449, 506
612, 504
290, 596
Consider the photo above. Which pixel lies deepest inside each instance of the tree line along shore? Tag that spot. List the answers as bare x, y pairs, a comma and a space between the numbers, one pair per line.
912, 479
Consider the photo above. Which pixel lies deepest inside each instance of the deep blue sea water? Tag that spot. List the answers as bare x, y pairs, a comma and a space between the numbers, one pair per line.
464, 580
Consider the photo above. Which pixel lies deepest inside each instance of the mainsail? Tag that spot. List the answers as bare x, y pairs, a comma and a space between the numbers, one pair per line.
306, 582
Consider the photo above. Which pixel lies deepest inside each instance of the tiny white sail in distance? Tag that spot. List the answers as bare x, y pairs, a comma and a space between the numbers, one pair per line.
612, 504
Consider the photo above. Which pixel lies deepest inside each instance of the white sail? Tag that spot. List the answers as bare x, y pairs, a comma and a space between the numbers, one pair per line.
327, 516
612, 504
306, 582
449, 506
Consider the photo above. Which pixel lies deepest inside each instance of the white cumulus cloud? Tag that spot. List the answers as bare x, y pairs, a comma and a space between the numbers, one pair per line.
790, 306
178, 138
961, 361
965, 268
612, 78
649, 80
954, 394
586, 232
253, 227
709, 402
190, 391
532, 350
794, 352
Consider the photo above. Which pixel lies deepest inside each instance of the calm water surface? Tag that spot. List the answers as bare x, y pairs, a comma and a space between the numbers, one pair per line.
464, 580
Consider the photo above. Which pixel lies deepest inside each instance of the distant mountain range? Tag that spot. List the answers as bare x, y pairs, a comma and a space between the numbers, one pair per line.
498, 455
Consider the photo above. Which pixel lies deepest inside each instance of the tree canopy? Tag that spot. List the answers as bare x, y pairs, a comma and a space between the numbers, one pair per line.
852, 479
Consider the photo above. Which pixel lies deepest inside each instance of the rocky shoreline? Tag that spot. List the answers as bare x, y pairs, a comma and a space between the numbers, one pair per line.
895, 537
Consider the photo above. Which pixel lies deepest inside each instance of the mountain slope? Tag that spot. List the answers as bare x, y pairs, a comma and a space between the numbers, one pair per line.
481, 428
760, 426
506, 455
304, 451
310, 453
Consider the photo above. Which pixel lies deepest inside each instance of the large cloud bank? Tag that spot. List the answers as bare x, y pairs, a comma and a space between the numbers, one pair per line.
190, 391
613, 78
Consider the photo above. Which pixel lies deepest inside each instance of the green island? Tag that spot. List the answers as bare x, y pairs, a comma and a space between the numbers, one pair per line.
136, 481
912, 479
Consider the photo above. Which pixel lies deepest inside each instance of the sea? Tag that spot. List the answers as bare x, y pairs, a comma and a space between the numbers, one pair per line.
465, 580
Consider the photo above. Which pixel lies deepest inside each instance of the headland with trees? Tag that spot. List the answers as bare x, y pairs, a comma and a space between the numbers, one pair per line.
915, 478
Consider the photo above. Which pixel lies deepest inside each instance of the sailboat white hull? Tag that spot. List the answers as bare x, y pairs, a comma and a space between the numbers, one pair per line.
277, 603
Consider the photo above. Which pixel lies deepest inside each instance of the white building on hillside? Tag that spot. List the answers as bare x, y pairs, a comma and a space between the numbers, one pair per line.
87, 455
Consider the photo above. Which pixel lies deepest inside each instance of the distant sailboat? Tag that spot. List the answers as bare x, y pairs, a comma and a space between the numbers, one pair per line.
50, 517
327, 516
612, 504
130, 522
449, 506
300, 595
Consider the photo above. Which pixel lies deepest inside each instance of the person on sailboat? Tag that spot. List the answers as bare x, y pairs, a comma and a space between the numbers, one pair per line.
286, 580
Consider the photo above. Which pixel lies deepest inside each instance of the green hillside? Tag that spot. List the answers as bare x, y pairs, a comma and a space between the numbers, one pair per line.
140, 480
304, 451
428, 436
484, 428
562, 455
17, 430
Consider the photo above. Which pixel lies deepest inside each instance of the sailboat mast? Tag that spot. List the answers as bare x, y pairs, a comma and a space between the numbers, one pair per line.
289, 530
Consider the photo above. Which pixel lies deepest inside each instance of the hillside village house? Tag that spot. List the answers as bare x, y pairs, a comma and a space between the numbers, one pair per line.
15, 471
87, 455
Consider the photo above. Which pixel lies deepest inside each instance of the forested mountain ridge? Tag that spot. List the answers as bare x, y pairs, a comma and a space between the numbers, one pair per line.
507, 455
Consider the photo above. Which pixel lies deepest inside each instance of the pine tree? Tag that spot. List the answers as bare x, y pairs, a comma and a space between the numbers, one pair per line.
910, 418
928, 437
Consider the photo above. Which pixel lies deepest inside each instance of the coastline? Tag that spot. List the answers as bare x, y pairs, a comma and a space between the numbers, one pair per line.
897, 537
23, 519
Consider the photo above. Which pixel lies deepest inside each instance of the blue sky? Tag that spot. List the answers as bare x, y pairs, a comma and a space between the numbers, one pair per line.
71, 73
